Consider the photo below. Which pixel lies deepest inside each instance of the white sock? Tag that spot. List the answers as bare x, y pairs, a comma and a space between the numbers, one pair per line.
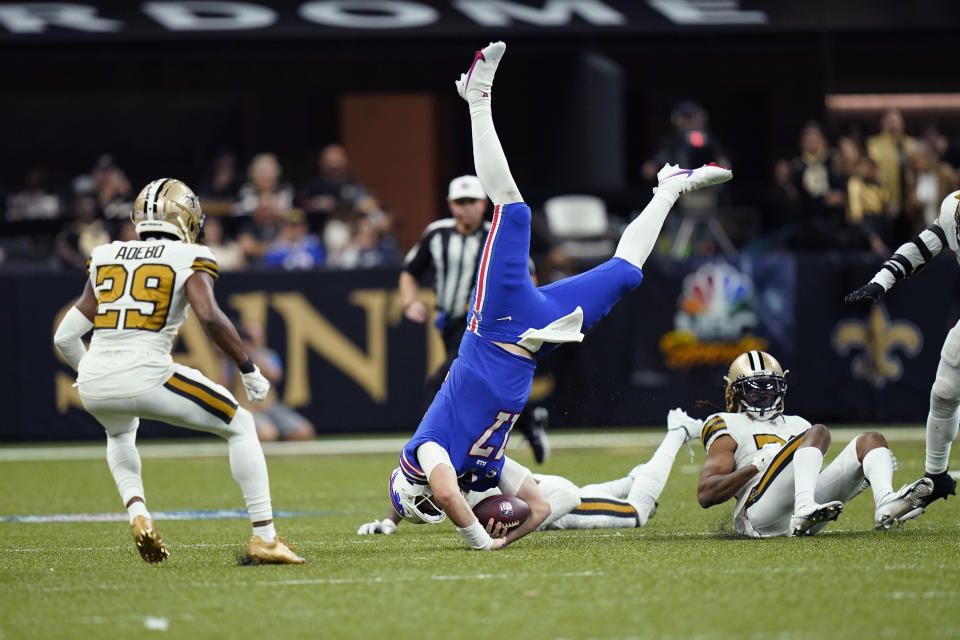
651, 478
267, 533
124, 461
249, 467
807, 462
942, 424
137, 508
641, 234
878, 469
488, 157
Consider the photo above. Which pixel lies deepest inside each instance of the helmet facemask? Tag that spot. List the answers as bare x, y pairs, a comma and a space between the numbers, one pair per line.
760, 396
756, 385
414, 502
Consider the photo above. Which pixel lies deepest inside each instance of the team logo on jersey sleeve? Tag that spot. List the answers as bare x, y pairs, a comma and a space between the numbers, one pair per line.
874, 342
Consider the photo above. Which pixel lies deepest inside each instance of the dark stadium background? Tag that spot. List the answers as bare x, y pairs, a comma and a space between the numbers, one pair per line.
579, 108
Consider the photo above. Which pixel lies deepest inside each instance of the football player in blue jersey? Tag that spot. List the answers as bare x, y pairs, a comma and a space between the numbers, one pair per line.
461, 440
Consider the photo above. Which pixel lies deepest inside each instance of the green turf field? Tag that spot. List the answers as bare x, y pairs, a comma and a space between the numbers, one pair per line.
683, 576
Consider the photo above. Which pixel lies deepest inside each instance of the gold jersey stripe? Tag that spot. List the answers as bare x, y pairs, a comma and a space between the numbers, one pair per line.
778, 464
713, 426
206, 261
215, 404
213, 272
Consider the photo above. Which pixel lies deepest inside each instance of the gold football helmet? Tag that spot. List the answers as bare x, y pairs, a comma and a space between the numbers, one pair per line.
756, 385
168, 206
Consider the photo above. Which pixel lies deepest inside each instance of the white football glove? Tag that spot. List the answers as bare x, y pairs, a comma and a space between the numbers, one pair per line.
763, 458
385, 526
255, 384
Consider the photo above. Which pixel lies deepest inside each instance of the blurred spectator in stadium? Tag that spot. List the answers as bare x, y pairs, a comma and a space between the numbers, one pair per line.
334, 199
274, 420
219, 189
690, 144
228, 252
295, 247
266, 201
108, 184
78, 238
263, 192
866, 206
367, 248
846, 159
929, 180
818, 189
37, 201
890, 150
334, 188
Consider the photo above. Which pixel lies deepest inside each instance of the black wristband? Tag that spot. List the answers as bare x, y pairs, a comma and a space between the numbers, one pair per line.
248, 366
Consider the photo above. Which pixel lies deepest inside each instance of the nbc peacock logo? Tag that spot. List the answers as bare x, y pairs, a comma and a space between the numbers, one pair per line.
714, 320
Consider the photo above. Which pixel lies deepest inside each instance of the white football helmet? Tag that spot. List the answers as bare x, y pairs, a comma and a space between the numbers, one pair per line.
756, 385
414, 502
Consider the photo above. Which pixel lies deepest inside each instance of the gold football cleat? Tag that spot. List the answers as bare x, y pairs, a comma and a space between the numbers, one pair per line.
276, 552
149, 543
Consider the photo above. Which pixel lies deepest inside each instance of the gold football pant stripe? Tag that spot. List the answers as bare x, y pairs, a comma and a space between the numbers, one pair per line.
203, 396
780, 462
602, 507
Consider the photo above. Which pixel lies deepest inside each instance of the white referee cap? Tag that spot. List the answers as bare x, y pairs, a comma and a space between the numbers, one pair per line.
465, 187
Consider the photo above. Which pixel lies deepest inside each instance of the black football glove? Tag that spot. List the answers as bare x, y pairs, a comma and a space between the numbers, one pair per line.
870, 292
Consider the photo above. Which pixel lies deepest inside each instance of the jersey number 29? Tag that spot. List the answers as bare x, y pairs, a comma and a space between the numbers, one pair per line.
151, 283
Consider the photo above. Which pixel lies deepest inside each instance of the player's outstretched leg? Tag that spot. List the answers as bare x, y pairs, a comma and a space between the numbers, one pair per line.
125, 467
942, 426
651, 478
249, 469
641, 234
807, 463
476, 87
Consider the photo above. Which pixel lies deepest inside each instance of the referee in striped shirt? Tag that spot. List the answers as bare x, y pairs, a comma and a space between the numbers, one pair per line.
451, 249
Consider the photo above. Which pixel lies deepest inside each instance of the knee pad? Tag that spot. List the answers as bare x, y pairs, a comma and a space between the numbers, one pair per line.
945, 395
242, 424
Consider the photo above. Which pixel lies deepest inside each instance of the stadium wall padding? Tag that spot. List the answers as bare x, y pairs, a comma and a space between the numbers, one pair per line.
354, 365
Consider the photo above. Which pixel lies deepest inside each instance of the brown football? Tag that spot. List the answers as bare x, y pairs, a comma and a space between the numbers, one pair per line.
510, 510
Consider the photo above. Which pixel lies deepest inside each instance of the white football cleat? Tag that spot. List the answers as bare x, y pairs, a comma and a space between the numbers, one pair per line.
905, 504
686, 180
477, 82
678, 419
813, 514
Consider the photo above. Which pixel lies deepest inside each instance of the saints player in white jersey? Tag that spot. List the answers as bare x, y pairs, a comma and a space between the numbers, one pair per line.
625, 502
772, 462
944, 416
136, 297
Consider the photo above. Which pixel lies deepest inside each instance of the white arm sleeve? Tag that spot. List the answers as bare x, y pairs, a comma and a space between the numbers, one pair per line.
429, 455
512, 476
911, 257
68, 336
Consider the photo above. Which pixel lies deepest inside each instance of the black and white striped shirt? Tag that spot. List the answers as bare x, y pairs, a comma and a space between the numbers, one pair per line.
454, 258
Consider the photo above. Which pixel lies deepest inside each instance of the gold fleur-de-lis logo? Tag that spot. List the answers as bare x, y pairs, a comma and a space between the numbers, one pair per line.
876, 339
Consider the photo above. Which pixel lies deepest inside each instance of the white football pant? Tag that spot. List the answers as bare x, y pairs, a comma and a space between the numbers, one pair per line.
188, 399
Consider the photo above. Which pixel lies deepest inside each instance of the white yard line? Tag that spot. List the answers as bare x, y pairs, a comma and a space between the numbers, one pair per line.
339, 446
